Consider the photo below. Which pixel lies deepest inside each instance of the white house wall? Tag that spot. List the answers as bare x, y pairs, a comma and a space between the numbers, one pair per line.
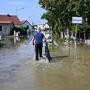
6, 29
43, 26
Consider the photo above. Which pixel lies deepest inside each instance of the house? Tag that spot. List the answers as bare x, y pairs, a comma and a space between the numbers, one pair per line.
6, 27
25, 24
7, 22
43, 26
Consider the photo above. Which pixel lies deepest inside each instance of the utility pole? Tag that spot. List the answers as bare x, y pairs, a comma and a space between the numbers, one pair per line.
18, 9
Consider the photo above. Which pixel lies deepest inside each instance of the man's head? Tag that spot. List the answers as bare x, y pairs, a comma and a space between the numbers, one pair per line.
39, 29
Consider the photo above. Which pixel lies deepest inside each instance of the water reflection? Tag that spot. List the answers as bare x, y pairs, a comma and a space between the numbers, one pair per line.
70, 52
12, 52
16, 39
69, 69
9, 42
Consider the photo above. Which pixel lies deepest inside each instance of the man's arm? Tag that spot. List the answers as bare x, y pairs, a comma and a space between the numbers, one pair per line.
45, 39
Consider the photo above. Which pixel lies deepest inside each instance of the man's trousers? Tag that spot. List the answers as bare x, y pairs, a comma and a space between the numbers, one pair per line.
38, 51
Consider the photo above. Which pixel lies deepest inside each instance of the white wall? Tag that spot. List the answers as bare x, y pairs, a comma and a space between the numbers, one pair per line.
6, 29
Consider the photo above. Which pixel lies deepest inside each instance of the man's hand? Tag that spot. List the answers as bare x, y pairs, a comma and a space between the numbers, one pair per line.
33, 43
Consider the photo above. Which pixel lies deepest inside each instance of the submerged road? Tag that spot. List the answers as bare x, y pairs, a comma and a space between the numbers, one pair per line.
69, 69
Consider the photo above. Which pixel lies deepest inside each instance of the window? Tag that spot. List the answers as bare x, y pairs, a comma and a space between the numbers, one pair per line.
0, 28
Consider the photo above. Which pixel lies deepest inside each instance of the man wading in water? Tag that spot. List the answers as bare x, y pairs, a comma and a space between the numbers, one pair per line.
38, 42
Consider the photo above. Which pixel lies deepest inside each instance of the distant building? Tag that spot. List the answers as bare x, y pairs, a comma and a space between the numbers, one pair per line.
25, 24
43, 26
7, 22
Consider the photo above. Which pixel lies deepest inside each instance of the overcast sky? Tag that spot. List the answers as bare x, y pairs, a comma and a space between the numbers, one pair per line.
25, 9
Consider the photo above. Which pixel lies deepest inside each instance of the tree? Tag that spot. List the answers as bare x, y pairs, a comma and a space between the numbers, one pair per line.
60, 12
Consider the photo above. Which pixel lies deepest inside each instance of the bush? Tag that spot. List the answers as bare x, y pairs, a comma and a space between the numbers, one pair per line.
22, 30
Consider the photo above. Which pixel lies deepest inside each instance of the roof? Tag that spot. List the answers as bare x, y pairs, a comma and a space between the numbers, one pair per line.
23, 22
5, 22
9, 18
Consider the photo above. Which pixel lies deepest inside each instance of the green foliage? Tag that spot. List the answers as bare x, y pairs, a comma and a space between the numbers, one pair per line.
88, 26
60, 12
73, 28
56, 37
22, 30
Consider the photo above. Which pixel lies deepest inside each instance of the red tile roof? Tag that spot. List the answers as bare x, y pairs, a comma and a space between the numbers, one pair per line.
5, 22
10, 18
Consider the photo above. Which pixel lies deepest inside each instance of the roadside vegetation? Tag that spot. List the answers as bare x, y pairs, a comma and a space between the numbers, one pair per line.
59, 15
22, 30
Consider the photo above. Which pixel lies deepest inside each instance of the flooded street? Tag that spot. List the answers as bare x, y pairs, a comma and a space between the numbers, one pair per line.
68, 70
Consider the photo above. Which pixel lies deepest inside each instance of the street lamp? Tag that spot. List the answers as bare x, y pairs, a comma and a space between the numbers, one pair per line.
17, 9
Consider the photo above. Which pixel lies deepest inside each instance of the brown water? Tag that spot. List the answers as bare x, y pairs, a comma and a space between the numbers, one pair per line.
68, 70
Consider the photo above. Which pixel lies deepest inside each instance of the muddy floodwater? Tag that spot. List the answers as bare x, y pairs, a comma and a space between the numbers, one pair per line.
68, 70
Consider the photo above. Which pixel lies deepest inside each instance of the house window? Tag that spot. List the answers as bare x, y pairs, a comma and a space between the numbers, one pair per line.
0, 28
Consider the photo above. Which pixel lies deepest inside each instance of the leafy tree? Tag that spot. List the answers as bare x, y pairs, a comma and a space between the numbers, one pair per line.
61, 11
